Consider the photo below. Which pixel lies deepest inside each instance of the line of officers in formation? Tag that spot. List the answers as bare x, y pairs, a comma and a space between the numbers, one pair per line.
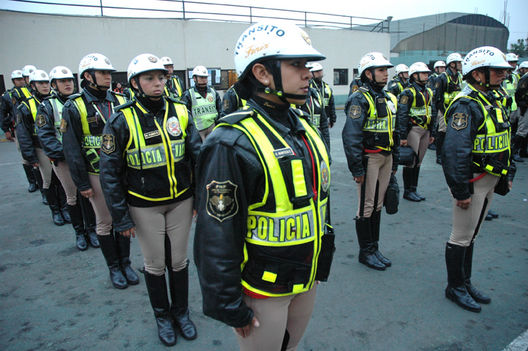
255, 169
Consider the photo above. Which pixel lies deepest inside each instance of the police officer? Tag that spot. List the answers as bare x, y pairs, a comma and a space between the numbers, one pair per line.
203, 102
174, 86
400, 81
314, 108
24, 92
354, 86
416, 118
49, 121
475, 155
84, 116
447, 86
26, 129
231, 101
510, 86
263, 185
325, 91
147, 160
370, 142
521, 97
439, 67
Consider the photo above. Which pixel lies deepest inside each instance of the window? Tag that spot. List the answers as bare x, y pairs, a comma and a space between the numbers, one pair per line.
340, 76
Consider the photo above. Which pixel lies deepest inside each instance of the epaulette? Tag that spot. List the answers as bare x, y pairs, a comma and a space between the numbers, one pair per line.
74, 96
300, 113
172, 99
126, 104
237, 116
363, 89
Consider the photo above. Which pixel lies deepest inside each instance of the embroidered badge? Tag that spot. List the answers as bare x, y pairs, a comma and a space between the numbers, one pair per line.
173, 126
41, 121
226, 104
404, 99
63, 126
210, 98
325, 176
222, 202
459, 121
108, 143
355, 111
355, 87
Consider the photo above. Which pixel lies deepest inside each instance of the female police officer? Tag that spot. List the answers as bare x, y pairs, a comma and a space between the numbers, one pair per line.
369, 142
263, 186
147, 159
476, 153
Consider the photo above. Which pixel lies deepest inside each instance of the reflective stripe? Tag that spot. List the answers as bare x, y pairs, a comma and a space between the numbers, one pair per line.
57, 107
276, 230
449, 97
379, 125
31, 105
418, 113
203, 109
298, 178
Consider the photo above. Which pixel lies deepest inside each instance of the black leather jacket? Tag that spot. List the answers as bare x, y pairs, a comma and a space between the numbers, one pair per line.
445, 85
47, 132
25, 130
355, 140
405, 102
7, 115
117, 177
228, 155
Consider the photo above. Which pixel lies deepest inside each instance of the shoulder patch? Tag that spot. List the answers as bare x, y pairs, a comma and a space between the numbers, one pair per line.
222, 202
226, 104
354, 111
40, 120
108, 143
404, 99
63, 126
459, 121
355, 88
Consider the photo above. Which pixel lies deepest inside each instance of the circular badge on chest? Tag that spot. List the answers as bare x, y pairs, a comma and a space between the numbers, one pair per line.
173, 126
325, 176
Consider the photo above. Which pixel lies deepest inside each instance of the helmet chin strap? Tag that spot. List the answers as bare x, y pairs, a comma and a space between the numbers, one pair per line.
373, 80
275, 68
141, 93
94, 83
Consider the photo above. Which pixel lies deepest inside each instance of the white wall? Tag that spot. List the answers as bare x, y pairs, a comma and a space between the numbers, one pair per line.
49, 40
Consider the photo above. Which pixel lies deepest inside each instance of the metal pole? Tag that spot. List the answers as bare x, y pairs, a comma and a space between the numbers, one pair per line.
101, 4
183, 8
250, 14
305, 19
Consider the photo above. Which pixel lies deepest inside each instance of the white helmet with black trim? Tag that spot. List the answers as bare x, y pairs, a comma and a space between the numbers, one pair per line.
166, 61
484, 56
272, 39
38, 76
316, 66
418, 67
373, 60
200, 71
144, 63
28, 69
401, 68
453, 57
60, 72
512, 57
95, 62
439, 64
17, 74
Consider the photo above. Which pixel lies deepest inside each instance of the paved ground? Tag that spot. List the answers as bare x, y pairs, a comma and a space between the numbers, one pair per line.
54, 297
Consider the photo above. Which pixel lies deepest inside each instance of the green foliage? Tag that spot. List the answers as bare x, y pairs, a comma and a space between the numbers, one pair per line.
520, 48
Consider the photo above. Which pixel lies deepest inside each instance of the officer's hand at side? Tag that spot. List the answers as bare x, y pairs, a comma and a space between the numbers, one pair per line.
403, 142
87, 193
129, 232
431, 140
359, 179
245, 331
510, 184
463, 204
9, 136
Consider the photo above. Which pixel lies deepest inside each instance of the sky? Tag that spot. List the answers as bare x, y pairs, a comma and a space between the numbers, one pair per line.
516, 10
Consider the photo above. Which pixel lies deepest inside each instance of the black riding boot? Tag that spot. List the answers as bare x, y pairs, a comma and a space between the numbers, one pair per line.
33, 186
416, 176
367, 248
123, 245
78, 226
38, 179
439, 140
179, 290
408, 181
375, 221
89, 221
109, 250
475, 294
157, 291
456, 290
61, 195
53, 204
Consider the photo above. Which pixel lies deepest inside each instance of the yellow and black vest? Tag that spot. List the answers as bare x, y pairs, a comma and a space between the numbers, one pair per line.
491, 146
452, 89
176, 85
157, 167
57, 106
379, 125
510, 86
32, 104
92, 130
285, 228
20, 95
420, 111
204, 109
314, 104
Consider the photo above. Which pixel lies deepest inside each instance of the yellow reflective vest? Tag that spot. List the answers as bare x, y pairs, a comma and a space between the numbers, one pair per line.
383, 126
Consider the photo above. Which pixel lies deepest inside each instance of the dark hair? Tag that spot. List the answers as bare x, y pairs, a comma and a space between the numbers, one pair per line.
246, 87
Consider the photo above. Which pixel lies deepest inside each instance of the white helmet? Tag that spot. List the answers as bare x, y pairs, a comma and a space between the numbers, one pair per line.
60, 72
16, 74
144, 63
418, 67
401, 68
523, 64
439, 64
316, 66
28, 69
96, 62
38, 76
484, 56
453, 57
272, 39
511, 57
200, 71
166, 60
373, 60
